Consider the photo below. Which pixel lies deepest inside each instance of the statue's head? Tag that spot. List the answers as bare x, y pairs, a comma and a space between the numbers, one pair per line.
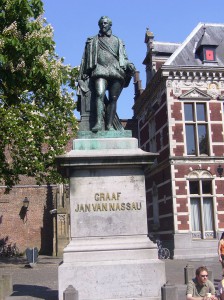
104, 18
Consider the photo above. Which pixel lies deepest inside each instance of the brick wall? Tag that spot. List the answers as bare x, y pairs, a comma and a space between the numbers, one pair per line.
160, 178
33, 229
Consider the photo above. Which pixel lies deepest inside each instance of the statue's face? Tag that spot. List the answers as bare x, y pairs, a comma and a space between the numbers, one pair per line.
104, 25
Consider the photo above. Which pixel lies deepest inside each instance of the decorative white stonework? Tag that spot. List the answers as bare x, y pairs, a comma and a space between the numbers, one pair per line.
199, 174
192, 75
213, 90
176, 88
195, 93
209, 81
201, 84
188, 83
169, 83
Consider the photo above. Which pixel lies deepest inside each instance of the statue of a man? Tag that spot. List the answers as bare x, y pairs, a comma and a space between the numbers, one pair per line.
105, 67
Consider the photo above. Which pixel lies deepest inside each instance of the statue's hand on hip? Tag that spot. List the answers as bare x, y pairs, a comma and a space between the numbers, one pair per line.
131, 68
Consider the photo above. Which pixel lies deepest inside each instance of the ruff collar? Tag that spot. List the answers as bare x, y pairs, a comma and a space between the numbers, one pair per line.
108, 33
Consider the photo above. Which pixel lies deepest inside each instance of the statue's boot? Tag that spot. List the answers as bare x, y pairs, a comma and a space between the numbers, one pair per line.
112, 112
98, 126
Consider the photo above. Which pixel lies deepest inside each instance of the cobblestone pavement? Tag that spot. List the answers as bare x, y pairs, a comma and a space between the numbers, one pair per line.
41, 281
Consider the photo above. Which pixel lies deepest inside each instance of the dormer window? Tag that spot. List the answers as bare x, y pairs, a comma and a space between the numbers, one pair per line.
209, 54
206, 48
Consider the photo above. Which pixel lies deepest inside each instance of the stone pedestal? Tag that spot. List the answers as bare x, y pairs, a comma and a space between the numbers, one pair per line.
110, 255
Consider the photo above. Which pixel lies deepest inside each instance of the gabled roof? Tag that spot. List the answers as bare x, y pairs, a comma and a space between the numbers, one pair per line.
186, 54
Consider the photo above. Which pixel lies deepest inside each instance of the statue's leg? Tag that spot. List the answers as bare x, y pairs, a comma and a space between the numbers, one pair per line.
100, 90
115, 88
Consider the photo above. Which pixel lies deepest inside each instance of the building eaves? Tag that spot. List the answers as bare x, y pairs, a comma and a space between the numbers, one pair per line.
182, 68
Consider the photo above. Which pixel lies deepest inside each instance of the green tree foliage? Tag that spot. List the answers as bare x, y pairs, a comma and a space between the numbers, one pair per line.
36, 105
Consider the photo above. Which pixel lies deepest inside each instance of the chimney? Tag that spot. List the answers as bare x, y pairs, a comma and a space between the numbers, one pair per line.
137, 85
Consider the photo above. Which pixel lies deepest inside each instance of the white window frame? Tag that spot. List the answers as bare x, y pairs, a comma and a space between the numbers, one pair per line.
202, 233
195, 124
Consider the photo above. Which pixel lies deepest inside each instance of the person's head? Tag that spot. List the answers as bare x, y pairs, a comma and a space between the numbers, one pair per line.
105, 24
202, 275
222, 236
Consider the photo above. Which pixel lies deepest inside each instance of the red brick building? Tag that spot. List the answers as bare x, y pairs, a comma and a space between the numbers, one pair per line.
181, 117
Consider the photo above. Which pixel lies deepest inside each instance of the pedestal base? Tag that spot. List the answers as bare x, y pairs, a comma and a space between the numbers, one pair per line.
112, 268
110, 255
133, 280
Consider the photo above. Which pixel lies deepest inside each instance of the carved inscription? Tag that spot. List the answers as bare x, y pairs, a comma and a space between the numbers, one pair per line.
108, 202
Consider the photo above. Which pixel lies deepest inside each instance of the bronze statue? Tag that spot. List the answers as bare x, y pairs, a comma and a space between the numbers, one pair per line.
104, 67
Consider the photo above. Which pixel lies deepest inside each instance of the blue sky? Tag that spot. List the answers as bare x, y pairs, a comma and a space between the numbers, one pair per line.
170, 21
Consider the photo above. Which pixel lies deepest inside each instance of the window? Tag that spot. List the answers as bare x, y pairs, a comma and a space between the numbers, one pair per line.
152, 136
209, 54
155, 206
202, 216
196, 128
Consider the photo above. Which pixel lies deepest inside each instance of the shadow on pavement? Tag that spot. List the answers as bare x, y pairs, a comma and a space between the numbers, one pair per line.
12, 260
41, 292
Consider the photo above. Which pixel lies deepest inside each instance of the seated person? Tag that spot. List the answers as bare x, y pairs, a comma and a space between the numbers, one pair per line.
200, 287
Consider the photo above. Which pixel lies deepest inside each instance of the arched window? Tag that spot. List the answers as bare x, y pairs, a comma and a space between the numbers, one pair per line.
201, 204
